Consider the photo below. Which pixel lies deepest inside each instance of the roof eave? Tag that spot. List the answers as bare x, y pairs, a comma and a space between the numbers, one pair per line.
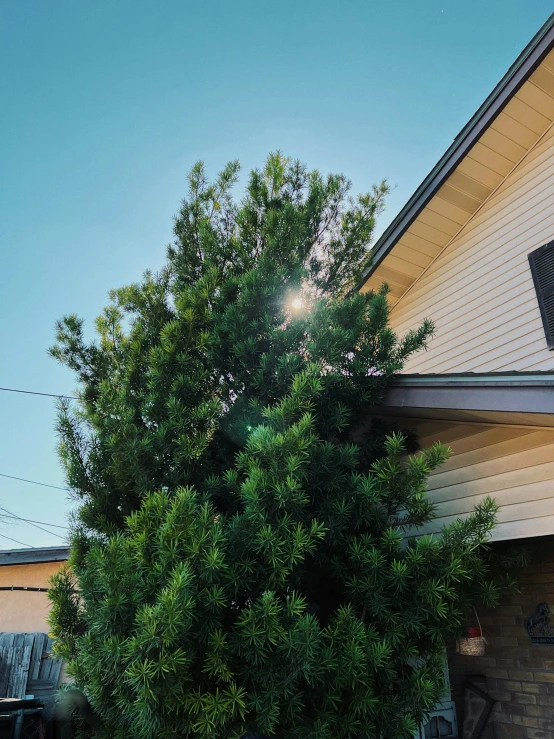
530, 396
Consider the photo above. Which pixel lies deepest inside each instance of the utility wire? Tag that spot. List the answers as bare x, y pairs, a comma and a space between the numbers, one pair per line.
16, 541
52, 533
33, 482
33, 392
33, 524
30, 520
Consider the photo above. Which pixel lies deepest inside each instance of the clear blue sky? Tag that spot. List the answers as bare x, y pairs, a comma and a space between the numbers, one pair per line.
105, 105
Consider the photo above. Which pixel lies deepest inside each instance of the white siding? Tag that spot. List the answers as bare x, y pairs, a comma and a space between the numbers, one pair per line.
479, 291
513, 465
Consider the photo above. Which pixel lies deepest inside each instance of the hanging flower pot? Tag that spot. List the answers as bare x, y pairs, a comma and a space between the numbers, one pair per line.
474, 643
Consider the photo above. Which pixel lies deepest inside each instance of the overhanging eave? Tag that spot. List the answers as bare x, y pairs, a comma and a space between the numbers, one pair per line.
512, 399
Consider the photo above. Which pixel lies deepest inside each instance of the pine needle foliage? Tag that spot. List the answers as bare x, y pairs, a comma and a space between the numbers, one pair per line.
240, 559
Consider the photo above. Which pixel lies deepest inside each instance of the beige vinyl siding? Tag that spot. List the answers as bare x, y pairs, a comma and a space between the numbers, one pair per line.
514, 465
479, 291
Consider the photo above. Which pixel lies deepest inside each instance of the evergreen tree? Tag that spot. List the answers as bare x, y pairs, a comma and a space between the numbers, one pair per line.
240, 559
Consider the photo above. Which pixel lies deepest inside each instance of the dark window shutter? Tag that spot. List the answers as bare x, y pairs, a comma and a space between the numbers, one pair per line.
542, 268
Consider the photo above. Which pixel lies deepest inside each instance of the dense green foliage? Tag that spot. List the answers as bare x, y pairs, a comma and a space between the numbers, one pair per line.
239, 560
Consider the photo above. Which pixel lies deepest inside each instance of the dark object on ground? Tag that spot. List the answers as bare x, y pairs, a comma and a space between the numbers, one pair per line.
72, 707
21, 719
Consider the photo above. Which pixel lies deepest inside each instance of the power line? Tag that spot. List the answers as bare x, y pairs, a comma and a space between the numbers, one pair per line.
16, 541
30, 520
33, 392
33, 482
32, 524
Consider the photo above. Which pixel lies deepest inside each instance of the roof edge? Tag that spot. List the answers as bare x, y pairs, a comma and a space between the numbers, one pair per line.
471, 379
526, 63
531, 396
34, 555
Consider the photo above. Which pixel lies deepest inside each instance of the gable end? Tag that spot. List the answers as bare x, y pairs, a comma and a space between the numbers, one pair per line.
504, 131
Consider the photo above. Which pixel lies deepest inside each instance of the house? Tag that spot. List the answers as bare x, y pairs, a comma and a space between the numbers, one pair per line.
29, 675
473, 249
24, 576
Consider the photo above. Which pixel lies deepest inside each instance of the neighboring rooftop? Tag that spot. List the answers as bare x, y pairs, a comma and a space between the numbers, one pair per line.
510, 123
34, 554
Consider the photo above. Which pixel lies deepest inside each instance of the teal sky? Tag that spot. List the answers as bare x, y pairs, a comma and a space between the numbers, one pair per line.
106, 104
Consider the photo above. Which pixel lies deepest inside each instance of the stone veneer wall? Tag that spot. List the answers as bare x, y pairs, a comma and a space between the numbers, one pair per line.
520, 675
